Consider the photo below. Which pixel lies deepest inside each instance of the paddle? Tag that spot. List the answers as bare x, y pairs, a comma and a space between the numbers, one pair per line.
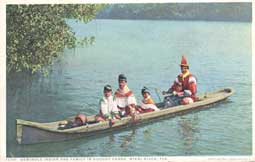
158, 92
169, 95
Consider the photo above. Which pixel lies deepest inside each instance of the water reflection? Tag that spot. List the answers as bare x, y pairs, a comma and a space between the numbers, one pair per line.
50, 149
188, 130
126, 140
111, 139
147, 134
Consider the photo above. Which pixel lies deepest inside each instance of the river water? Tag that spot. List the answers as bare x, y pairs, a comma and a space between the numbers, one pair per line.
149, 53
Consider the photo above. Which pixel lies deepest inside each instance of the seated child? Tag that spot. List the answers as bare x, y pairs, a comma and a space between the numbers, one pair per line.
108, 107
79, 120
147, 104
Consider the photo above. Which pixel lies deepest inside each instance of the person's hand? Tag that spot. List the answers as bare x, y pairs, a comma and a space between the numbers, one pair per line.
117, 116
108, 117
174, 93
112, 121
132, 110
180, 94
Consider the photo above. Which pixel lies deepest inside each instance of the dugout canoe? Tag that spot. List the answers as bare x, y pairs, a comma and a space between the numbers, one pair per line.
29, 132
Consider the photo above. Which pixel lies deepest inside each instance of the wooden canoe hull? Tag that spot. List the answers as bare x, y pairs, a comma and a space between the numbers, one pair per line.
32, 132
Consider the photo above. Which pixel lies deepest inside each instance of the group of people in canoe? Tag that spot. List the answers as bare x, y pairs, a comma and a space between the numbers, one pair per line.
123, 102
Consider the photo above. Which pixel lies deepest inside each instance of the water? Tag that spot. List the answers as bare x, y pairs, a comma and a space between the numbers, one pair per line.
149, 53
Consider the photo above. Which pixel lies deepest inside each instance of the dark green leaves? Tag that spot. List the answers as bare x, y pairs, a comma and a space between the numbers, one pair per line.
37, 34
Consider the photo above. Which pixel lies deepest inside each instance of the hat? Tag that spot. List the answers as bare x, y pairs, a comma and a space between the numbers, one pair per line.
145, 90
184, 62
122, 77
107, 88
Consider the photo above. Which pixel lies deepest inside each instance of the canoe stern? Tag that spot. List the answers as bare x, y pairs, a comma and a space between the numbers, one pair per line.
19, 129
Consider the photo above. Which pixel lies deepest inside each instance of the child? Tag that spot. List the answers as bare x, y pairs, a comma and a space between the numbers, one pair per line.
79, 120
108, 107
147, 104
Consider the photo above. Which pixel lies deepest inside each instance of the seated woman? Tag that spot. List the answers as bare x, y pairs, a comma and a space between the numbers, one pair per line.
147, 104
177, 96
107, 106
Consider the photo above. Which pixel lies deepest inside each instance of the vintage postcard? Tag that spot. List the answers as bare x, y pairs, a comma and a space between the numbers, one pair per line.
116, 81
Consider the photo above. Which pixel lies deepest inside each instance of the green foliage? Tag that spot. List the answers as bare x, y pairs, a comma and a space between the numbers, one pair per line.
37, 34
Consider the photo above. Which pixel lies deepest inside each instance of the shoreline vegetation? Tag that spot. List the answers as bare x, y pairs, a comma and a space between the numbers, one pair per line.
37, 34
240, 12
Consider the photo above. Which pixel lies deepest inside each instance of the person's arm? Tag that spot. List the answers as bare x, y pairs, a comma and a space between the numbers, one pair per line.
148, 106
192, 85
116, 114
104, 109
172, 88
131, 100
115, 110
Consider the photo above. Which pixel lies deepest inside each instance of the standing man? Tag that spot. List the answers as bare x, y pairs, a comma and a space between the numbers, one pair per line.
184, 88
124, 97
